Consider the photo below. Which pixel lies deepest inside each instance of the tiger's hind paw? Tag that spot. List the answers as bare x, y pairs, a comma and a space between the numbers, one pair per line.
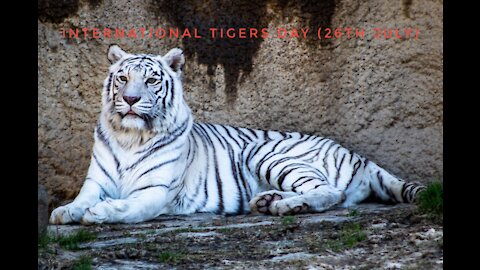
262, 202
287, 207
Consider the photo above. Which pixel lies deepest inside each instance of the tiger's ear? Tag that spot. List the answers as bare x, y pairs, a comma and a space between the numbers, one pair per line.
115, 53
175, 59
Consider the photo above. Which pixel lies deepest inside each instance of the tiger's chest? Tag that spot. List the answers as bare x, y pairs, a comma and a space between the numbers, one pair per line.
140, 168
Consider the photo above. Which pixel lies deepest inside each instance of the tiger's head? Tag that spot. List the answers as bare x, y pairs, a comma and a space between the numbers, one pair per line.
143, 93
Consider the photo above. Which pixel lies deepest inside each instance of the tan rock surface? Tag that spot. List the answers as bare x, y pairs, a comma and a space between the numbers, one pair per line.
381, 98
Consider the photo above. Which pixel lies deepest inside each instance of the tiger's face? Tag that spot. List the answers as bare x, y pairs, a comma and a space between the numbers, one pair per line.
141, 90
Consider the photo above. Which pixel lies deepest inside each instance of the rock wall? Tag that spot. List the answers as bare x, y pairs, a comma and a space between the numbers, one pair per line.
380, 97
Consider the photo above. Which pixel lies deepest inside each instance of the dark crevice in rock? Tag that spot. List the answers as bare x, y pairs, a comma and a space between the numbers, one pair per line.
406, 4
236, 54
55, 11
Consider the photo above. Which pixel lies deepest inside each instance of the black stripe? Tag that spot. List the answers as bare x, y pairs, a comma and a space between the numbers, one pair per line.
246, 185
229, 148
156, 94
192, 151
205, 191
284, 174
104, 140
173, 91
216, 134
207, 158
231, 137
277, 162
107, 89
235, 175
191, 155
299, 141
294, 188
266, 157
151, 186
103, 170
204, 134
239, 130
338, 170
194, 195
265, 135
217, 174
281, 177
130, 60
156, 102
300, 178
380, 180
164, 101
167, 140
335, 156
409, 191
181, 183
316, 186
161, 143
317, 155
254, 153
219, 182
158, 166
404, 186
325, 157
385, 188
253, 132
356, 166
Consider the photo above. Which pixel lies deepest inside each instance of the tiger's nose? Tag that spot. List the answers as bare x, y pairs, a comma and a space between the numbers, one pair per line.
131, 100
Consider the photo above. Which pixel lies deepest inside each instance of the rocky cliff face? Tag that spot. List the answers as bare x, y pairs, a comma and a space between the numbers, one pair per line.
379, 97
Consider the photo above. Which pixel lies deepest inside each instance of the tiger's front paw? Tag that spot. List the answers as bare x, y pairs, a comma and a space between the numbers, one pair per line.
94, 216
66, 214
107, 211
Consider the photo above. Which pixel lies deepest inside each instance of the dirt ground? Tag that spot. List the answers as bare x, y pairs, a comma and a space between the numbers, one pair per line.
369, 236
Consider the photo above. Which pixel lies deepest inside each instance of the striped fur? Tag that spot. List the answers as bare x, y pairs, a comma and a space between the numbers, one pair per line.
150, 158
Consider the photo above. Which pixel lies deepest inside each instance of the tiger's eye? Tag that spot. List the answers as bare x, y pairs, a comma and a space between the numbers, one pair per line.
123, 78
151, 80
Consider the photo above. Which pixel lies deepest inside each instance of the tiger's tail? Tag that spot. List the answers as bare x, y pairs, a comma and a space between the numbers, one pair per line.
390, 188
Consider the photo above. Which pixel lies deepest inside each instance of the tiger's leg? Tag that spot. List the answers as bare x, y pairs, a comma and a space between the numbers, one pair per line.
141, 206
90, 194
301, 188
318, 200
281, 203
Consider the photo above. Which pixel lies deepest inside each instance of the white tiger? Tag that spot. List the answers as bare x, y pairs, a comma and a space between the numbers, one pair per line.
150, 158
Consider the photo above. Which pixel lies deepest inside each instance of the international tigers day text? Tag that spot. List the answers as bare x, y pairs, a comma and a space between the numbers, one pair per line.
239, 33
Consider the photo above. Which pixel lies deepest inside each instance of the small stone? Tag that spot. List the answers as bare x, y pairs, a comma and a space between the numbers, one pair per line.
379, 225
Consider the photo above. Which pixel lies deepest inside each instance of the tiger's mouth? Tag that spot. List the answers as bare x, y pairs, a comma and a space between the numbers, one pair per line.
131, 112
